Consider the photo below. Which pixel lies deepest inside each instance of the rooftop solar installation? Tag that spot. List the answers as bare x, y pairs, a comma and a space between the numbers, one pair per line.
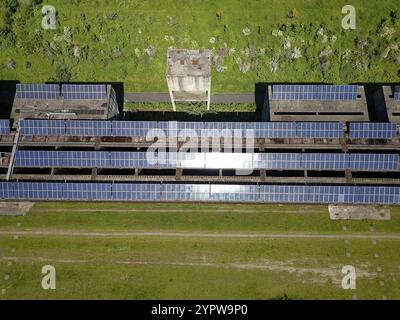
173, 160
136, 192
88, 128
38, 91
325, 161
84, 91
199, 192
330, 130
374, 162
314, 92
134, 128
275, 130
366, 130
4, 126
397, 93
277, 161
267, 130
182, 129
42, 127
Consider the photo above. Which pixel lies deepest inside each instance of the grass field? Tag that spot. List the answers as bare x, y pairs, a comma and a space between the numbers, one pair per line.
188, 251
252, 41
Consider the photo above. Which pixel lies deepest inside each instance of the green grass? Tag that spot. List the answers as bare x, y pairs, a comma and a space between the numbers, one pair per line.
137, 268
112, 36
193, 267
191, 108
191, 217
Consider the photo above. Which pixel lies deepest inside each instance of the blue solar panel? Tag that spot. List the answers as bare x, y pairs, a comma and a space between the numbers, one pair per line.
199, 192
154, 129
173, 160
277, 161
275, 130
38, 191
330, 130
136, 128
374, 162
4, 126
314, 92
359, 130
84, 91
38, 159
87, 191
88, 128
396, 93
185, 192
38, 91
190, 129
284, 194
136, 192
42, 127
324, 161
7, 190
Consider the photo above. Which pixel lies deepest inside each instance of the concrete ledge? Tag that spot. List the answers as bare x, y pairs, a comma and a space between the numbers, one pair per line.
15, 208
361, 212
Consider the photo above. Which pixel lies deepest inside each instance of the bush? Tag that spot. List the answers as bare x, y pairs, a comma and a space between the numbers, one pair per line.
62, 74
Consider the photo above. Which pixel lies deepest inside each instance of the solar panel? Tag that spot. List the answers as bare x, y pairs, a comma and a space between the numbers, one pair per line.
199, 192
314, 92
38, 91
88, 128
330, 130
4, 126
397, 93
275, 130
277, 161
235, 193
7, 190
136, 192
374, 162
185, 192
379, 195
324, 161
87, 191
284, 194
38, 191
360, 130
136, 129
42, 127
84, 91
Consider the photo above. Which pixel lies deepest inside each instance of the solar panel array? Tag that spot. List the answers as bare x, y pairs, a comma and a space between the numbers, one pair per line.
87, 128
173, 160
42, 127
314, 92
84, 91
365, 130
38, 91
329, 130
397, 93
199, 192
4, 126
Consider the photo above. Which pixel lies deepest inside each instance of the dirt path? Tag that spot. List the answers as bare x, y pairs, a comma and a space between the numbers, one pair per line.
332, 271
222, 210
393, 236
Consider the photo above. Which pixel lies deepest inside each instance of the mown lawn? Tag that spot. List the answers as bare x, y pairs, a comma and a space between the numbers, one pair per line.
169, 266
252, 41
191, 217
174, 268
